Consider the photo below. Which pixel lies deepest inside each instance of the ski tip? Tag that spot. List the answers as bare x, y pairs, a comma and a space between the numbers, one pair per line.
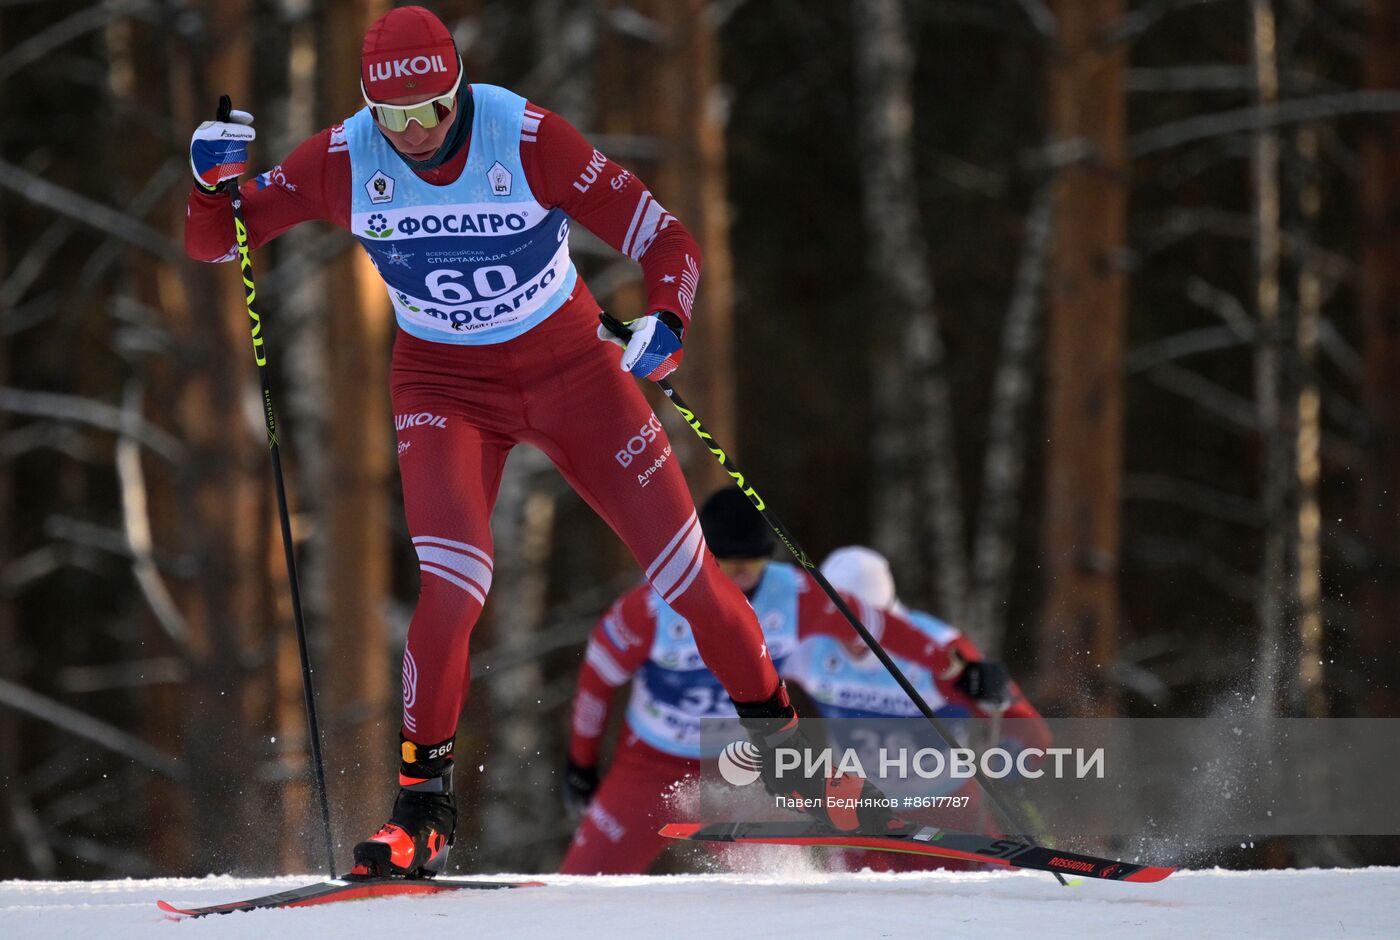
680, 830
1150, 874
171, 909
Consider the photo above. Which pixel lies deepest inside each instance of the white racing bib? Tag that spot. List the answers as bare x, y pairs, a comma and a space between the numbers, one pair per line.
474, 262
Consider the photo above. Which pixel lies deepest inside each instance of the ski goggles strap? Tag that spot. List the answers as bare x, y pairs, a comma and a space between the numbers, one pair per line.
430, 113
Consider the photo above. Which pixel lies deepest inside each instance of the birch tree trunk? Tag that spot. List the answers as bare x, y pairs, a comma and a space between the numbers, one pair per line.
915, 487
1078, 628
1004, 462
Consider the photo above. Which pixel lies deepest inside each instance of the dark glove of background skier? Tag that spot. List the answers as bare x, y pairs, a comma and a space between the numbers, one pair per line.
580, 785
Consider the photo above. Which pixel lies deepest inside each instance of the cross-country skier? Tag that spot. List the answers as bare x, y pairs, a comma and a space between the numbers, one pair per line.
462, 195
643, 638
844, 681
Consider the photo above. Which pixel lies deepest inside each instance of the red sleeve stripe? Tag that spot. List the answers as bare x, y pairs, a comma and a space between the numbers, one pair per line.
590, 714
602, 662
615, 630
647, 222
530, 125
338, 142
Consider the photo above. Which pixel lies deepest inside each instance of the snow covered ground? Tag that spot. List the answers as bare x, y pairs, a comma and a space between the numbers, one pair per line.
1310, 903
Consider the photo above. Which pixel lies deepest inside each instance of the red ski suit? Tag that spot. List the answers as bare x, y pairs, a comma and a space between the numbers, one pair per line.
619, 834
459, 410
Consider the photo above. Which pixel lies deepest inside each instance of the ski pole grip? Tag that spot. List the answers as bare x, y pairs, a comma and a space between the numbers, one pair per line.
615, 326
225, 108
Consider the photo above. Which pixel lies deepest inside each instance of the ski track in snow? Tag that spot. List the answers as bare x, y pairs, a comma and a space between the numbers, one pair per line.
1306, 903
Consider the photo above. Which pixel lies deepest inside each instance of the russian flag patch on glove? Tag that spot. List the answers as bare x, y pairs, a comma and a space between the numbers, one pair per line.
654, 351
219, 149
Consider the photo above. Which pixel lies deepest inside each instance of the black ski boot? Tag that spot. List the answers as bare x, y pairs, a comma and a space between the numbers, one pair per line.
415, 841
844, 801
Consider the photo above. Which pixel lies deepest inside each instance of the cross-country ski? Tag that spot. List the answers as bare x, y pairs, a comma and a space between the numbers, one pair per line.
348, 888
924, 840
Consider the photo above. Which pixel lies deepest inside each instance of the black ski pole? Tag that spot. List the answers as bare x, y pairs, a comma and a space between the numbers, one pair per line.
245, 264
614, 326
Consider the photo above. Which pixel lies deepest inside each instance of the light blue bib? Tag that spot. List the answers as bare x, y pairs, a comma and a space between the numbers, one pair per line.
674, 691
843, 686
474, 262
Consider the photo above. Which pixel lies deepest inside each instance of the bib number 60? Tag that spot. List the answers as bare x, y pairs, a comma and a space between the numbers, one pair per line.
446, 284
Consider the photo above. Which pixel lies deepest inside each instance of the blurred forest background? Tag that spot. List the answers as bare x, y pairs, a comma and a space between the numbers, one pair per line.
1086, 312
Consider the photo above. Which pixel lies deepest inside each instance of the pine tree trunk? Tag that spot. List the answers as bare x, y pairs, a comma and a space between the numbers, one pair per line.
1268, 369
305, 410
522, 806
12, 850
672, 81
1078, 626
215, 507
362, 720
1308, 439
1380, 298
692, 138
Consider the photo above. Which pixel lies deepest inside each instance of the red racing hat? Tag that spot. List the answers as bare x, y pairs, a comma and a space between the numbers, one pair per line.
408, 51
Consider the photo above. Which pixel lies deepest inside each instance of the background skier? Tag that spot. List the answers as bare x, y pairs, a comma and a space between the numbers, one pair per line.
643, 639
